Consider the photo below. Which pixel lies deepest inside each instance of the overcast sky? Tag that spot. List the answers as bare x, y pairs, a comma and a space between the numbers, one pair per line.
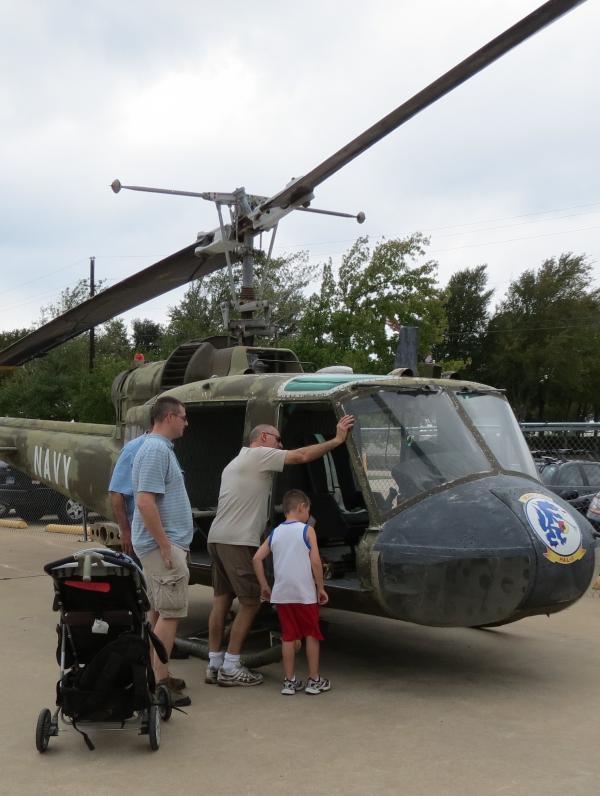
206, 97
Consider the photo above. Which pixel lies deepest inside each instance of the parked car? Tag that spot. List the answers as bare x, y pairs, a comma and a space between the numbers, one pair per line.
593, 511
569, 478
31, 499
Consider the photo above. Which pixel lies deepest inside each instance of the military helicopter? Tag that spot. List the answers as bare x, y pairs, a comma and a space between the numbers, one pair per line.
432, 513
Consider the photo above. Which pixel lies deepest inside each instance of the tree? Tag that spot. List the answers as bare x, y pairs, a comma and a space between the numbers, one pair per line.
542, 342
10, 337
70, 297
59, 386
466, 303
147, 336
281, 281
350, 321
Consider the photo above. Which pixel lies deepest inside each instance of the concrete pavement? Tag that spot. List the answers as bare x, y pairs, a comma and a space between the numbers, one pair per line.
412, 710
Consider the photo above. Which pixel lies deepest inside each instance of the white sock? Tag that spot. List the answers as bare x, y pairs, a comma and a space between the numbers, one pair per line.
231, 662
215, 659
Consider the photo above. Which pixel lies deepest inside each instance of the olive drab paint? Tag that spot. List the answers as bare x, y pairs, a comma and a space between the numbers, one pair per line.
460, 554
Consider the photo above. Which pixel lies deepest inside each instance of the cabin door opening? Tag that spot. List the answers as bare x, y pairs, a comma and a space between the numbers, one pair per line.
337, 504
213, 437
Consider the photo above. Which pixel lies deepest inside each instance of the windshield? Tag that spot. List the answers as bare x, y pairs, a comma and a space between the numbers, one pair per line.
493, 418
411, 441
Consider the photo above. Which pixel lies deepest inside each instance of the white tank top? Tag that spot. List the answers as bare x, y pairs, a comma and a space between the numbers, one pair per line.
291, 564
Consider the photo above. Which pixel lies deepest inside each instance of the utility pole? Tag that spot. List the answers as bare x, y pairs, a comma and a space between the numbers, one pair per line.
92, 330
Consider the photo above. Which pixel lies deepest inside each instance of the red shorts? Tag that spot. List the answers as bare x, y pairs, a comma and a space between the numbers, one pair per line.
299, 621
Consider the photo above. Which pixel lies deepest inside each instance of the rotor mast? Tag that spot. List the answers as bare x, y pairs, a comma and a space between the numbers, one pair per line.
245, 316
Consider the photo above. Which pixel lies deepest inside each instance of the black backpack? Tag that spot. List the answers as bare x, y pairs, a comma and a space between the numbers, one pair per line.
116, 682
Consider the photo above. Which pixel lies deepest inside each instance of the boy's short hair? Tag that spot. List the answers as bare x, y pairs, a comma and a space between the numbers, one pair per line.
292, 499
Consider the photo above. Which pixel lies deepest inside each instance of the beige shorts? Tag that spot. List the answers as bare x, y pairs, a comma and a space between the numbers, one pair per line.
167, 588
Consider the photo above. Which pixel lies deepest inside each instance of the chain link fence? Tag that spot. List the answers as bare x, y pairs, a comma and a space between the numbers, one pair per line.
567, 456
563, 440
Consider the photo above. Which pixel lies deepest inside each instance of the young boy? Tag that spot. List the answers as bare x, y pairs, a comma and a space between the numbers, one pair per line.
298, 589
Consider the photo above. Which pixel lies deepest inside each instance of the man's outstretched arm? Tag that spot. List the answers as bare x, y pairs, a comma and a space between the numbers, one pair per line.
312, 452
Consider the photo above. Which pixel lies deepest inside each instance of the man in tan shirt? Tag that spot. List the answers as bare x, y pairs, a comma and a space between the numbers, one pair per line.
234, 537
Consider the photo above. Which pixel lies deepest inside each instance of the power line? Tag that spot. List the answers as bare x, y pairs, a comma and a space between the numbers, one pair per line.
38, 278
522, 329
484, 243
523, 215
513, 240
427, 229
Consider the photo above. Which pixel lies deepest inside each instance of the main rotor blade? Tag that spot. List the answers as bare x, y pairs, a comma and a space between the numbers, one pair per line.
522, 30
172, 272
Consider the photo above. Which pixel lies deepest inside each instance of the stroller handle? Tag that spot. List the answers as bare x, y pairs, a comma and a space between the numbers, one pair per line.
91, 555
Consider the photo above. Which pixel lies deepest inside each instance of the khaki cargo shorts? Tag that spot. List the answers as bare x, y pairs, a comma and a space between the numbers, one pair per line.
232, 570
167, 588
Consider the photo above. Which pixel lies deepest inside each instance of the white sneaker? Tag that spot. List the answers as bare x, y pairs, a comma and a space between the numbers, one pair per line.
241, 676
317, 686
291, 686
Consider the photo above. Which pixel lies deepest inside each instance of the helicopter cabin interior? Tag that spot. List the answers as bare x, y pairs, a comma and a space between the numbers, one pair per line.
215, 435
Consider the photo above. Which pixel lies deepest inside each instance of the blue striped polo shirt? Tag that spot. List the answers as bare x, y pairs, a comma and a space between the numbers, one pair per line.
156, 470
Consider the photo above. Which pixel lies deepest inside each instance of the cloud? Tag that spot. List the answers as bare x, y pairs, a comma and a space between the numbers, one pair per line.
205, 97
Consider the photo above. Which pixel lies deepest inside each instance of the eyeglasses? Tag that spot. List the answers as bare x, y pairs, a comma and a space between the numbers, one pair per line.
181, 417
270, 434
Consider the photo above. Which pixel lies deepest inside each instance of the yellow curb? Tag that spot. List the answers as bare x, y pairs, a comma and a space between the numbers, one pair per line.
13, 524
77, 530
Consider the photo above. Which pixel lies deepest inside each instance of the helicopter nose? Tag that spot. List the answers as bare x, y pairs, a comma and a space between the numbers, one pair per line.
486, 552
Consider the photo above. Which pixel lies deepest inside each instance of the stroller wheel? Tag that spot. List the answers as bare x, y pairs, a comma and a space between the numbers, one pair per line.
154, 727
42, 730
163, 699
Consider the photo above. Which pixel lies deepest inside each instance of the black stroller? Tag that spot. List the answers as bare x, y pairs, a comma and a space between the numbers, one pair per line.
106, 678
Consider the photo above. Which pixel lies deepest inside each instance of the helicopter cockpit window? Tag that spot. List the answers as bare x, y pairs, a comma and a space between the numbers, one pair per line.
493, 418
410, 442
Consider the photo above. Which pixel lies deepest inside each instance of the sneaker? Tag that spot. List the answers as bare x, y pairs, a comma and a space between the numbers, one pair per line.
178, 700
317, 686
211, 675
241, 676
291, 686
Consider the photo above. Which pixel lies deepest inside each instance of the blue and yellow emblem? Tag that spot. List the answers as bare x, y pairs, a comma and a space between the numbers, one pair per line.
557, 529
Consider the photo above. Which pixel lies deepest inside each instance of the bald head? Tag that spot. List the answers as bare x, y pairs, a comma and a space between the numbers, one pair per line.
264, 436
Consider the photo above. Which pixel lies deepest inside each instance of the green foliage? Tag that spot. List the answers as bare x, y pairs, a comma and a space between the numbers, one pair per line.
70, 297
147, 337
466, 303
542, 342
60, 386
281, 281
352, 321
112, 341
92, 396
10, 337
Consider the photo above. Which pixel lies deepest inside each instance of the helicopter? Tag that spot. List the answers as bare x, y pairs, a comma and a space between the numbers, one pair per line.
432, 513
